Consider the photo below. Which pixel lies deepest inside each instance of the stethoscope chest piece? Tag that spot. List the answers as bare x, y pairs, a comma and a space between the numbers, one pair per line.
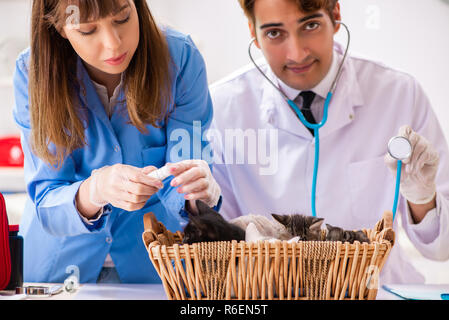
400, 148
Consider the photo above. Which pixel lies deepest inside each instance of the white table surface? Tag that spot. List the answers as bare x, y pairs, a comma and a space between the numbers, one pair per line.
130, 292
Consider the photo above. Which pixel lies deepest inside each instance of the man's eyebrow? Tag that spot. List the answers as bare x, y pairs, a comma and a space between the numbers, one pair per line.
310, 17
269, 25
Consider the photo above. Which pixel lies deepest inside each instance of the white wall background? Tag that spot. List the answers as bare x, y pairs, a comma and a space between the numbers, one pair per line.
14, 30
410, 35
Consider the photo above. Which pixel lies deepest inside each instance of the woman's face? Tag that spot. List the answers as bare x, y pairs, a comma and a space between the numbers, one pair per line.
106, 45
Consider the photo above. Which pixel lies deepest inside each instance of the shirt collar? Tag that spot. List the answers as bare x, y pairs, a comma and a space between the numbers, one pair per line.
102, 92
101, 88
321, 89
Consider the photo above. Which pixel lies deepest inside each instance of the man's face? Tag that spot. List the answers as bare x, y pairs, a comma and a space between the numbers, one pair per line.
298, 46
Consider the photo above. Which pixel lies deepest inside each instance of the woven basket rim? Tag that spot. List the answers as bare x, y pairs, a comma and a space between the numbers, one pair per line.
168, 251
384, 228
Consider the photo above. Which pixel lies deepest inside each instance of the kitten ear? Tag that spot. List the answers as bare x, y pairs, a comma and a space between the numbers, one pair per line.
283, 219
316, 225
329, 227
202, 207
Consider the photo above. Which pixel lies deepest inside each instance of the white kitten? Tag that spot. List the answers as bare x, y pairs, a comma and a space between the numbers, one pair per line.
267, 227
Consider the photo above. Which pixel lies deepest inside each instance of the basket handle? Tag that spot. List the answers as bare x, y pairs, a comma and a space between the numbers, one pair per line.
156, 231
150, 223
151, 228
385, 227
387, 220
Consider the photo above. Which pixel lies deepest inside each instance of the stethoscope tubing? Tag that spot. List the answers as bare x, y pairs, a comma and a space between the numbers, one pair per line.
398, 183
301, 117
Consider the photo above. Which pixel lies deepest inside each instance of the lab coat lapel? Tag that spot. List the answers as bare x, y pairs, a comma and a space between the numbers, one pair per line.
346, 97
277, 112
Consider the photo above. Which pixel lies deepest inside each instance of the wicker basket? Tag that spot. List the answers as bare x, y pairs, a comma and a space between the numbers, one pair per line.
267, 270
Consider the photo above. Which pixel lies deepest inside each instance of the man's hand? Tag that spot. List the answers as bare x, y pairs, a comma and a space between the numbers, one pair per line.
418, 172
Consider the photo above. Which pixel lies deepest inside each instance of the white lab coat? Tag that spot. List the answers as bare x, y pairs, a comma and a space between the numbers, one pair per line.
354, 185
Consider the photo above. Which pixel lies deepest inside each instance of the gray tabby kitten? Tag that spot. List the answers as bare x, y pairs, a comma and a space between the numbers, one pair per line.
306, 227
338, 234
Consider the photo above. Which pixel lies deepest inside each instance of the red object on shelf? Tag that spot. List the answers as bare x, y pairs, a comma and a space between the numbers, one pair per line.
11, 153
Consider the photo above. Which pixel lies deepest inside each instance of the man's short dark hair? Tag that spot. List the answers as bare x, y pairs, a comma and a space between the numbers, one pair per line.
307, 6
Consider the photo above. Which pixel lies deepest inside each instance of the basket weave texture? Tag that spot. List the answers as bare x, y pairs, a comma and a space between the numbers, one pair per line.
265, 270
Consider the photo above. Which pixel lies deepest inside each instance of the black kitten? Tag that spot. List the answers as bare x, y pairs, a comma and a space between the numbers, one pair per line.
338, 234
210, 226
306, 227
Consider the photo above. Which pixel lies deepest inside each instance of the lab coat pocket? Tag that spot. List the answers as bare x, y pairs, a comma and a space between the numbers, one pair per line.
370, 184
154, 156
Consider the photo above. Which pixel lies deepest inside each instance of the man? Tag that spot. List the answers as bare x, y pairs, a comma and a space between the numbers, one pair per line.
371, 104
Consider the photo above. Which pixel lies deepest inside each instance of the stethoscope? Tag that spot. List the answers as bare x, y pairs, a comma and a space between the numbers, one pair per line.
399, 147
313, 126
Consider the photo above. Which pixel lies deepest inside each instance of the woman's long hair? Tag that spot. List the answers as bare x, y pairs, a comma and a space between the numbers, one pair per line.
55, 107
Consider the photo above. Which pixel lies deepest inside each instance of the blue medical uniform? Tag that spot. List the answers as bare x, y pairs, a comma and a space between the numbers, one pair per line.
55, 237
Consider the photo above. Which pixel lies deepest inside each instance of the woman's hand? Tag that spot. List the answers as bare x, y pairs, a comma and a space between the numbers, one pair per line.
195, 179
123, 186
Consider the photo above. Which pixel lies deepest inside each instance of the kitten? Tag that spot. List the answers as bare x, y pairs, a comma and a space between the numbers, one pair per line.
210, 226
267, 227
305, 227
338, 234
252, 234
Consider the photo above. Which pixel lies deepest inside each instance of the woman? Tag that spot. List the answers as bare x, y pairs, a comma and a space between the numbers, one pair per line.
98, 96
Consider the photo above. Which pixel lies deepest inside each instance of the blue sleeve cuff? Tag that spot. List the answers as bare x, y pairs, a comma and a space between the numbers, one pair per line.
58, 213
98, 224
